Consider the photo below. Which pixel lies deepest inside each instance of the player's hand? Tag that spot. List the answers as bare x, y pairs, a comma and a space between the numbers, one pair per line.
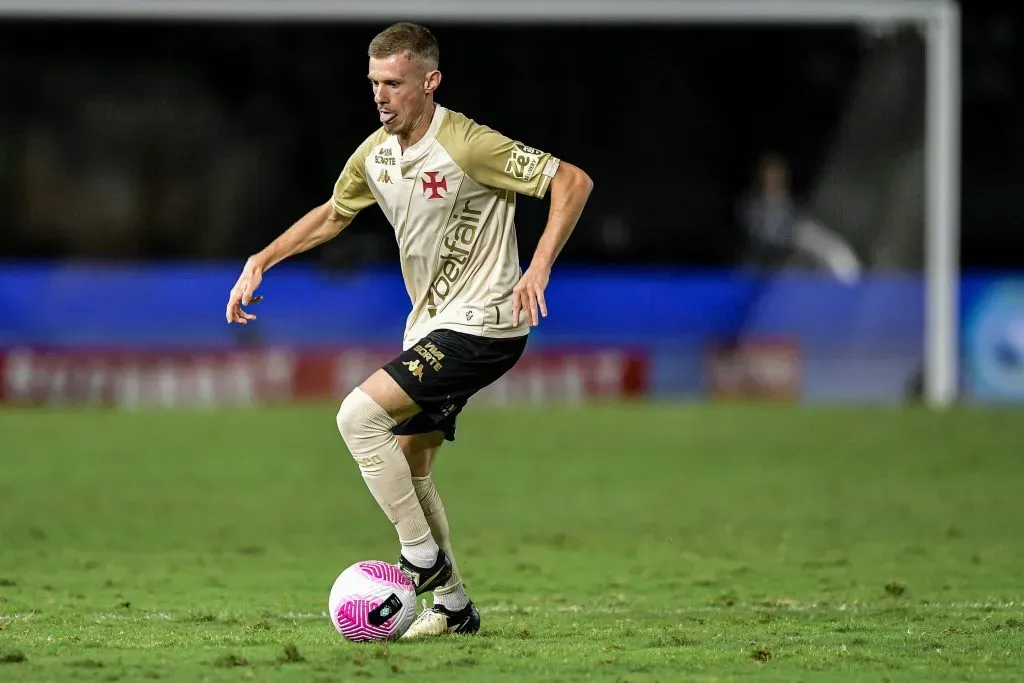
528, 295
242, 294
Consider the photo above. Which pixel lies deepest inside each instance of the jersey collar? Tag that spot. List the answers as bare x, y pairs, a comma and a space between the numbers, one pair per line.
416, 151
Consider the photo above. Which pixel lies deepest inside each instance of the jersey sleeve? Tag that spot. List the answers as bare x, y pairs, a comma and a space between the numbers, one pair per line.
351, 191
494, 160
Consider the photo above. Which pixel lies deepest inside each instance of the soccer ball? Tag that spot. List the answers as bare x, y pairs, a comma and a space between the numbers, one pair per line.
372, 600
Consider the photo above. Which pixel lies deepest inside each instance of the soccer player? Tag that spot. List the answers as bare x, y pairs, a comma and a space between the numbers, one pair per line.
448, 186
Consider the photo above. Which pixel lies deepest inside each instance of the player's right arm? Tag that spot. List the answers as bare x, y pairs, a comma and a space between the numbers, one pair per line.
322, 224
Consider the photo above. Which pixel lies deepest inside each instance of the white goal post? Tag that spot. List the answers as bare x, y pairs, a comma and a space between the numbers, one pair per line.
938, 20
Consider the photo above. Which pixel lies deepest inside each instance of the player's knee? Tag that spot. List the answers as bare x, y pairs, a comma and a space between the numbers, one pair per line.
360, 417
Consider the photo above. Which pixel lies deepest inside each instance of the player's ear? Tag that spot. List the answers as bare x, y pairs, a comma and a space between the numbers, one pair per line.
432, 80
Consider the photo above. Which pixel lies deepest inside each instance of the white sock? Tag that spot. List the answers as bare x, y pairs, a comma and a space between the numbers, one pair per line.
455, 600
423, 554
452, 595
366, 429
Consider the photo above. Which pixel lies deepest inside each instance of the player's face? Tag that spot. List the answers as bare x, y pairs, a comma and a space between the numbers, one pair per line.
400, 89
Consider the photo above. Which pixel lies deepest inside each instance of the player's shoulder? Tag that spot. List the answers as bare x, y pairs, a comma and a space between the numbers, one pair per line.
374, 140
466, 139
457, 127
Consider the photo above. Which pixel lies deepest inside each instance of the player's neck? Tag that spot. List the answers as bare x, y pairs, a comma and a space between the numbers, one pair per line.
421, 128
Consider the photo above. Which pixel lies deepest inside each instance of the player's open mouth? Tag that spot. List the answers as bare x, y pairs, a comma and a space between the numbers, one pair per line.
387, 117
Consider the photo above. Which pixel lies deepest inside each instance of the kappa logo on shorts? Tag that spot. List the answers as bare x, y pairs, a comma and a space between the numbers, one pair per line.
415, 367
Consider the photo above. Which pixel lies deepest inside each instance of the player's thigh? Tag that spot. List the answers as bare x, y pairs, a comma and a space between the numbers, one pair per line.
389, 395
441, 372
421, 451
474, 363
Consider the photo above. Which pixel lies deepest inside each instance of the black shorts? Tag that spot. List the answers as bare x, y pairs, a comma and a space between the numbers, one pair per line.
442, 371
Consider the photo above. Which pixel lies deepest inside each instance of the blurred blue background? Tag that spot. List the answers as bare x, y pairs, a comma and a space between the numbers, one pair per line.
854, 342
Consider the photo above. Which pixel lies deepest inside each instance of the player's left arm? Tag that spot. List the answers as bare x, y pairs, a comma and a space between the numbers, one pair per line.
495, 160
570, 188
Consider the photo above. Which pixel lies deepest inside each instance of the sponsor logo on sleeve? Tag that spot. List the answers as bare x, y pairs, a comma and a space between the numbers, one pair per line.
523, 162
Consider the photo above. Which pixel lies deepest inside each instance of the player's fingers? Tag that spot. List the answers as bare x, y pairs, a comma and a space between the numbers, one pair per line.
542, 302
231, 311
534, 318
516, 308
524, 306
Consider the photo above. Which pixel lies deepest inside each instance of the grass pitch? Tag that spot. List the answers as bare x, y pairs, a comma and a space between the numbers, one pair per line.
637, 543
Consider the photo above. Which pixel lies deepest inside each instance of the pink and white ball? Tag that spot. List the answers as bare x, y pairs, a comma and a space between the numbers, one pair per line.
372, 600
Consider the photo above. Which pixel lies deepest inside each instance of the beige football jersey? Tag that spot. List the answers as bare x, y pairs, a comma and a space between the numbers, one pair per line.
451, 199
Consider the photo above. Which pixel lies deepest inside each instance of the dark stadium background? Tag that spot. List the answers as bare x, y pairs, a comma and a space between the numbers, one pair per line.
670, 121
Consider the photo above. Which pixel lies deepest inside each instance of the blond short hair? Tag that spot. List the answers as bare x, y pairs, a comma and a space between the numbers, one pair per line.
412, 40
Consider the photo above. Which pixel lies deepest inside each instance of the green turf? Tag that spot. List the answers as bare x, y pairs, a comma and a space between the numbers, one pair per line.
633, 543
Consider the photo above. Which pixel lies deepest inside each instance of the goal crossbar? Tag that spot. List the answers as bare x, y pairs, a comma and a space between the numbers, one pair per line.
592, 11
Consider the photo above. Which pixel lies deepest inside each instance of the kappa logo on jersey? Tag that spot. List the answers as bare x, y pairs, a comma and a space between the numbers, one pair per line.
384, 176
432, 185
523, 161
415, 367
